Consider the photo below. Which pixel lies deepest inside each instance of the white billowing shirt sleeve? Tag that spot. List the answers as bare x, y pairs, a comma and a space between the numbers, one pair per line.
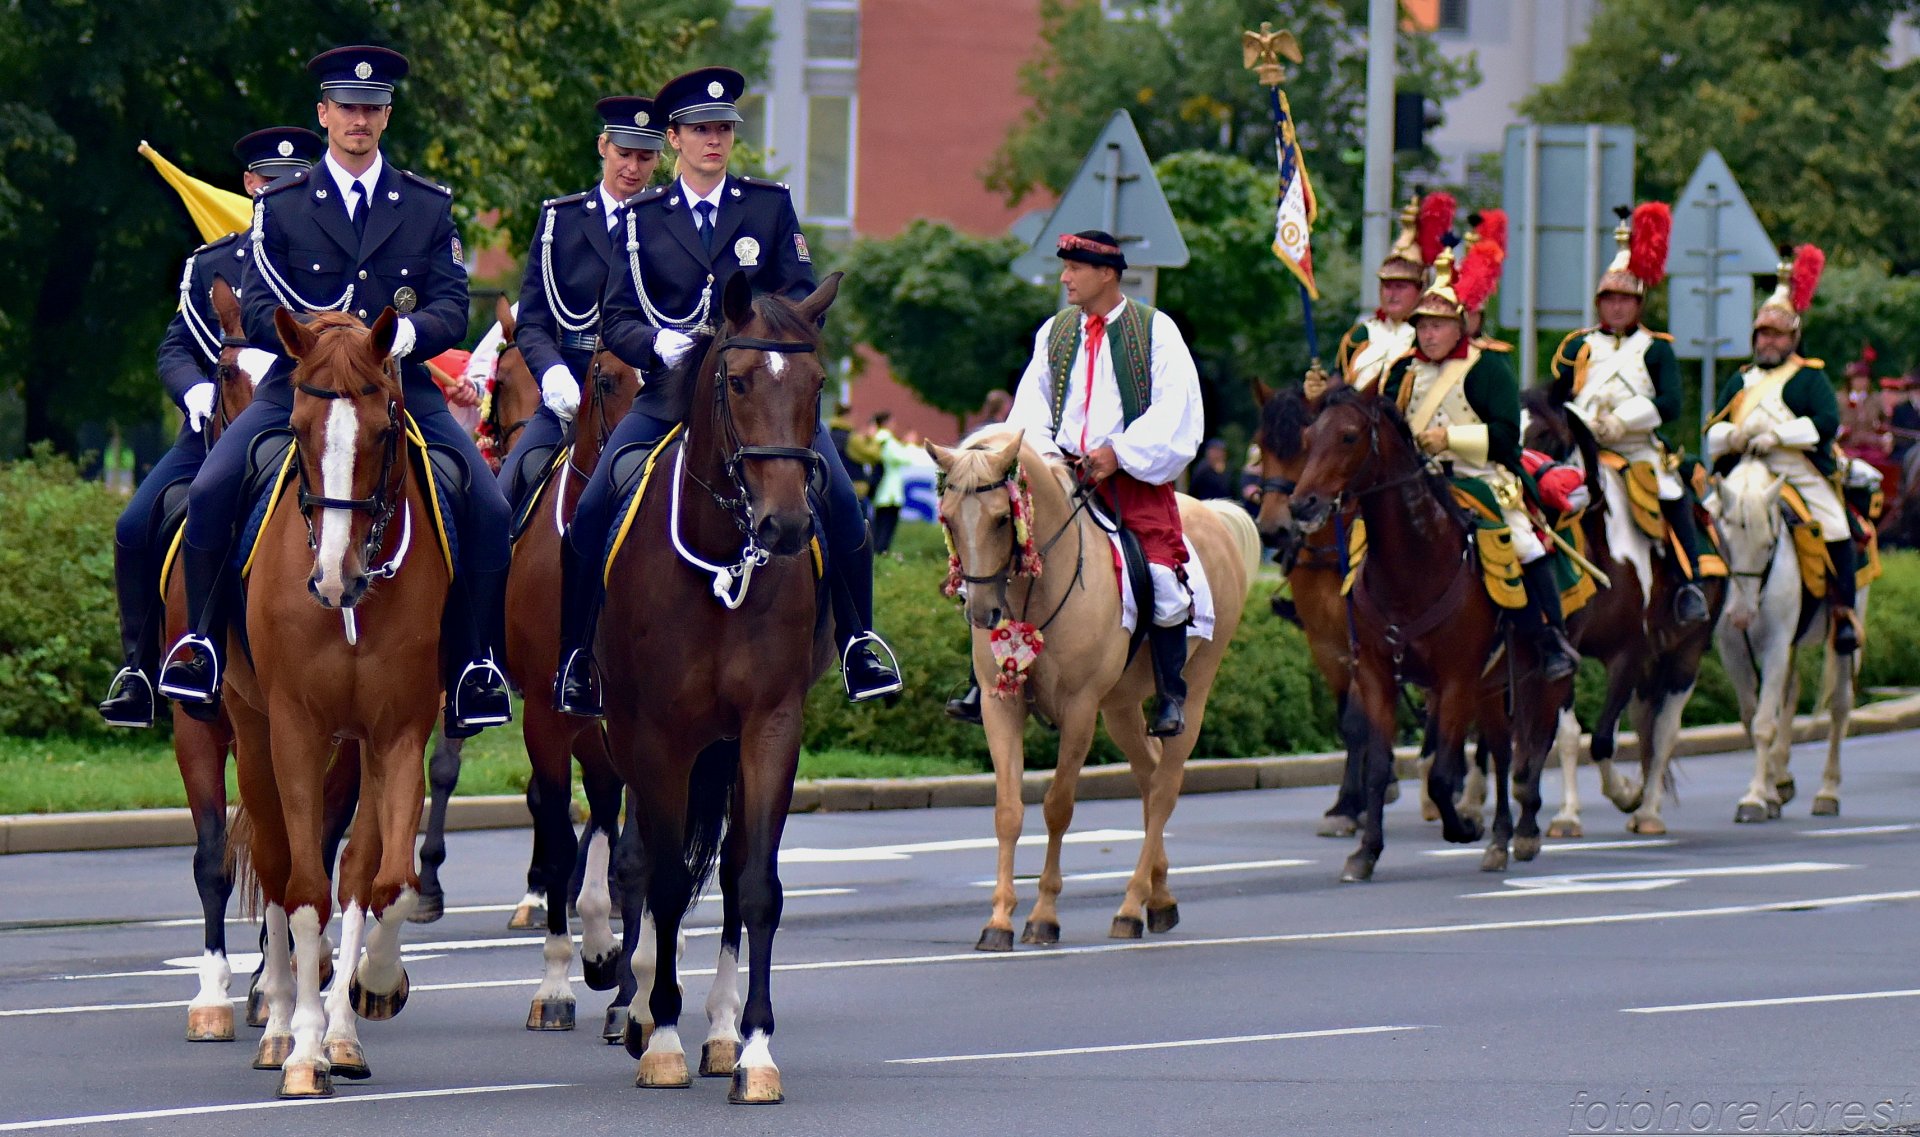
485, 354
1031, 411
1164, 439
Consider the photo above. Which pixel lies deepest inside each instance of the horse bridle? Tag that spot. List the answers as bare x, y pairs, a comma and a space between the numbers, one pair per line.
384, 502
1001, 579
223, 371
602, 385
503, 433
737, 505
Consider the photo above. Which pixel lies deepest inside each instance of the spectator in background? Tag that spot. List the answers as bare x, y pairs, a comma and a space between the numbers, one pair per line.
1250, 479
1906, 416
993, 410
1210, 477
840, 429
889, 491
1863, 418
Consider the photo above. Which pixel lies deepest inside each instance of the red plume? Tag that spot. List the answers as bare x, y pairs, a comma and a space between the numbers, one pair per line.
1436, 220
1493, 229
1647, 248
1808, 261
1480, 273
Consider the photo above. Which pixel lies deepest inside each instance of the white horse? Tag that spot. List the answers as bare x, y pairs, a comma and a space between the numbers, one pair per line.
1767, 620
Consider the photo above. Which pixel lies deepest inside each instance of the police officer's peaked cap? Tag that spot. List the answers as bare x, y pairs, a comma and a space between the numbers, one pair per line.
631, 121
278, 150
363, 75
704, 95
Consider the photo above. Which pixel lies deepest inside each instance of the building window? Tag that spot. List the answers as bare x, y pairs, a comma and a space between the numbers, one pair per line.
1159, 11
1453, 16
833, 33
829, 156
756, 130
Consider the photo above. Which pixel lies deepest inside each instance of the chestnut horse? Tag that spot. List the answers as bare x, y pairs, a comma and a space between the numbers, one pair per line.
351, 585
1085, 669
714, 630
555, 741
1424, 623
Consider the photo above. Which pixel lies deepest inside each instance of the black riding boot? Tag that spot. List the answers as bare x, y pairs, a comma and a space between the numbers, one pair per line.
472, 631
1558, 660
966, 708
130, 699
861, 668
191, 676
575, 691
1169, 648
1689, 603
1840, 597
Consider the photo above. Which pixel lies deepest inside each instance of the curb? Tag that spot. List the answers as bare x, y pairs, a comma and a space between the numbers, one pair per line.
159, 828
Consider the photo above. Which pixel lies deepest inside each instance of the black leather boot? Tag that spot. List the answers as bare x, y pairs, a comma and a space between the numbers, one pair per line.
866, 675
1689, 603
130, 699
1841, 594
193, 669
1558, 659
966, 708
1169, 648
472, 632
575, 689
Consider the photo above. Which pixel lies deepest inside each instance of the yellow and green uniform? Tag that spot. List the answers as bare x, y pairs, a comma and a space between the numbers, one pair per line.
1370, 348
1796, 402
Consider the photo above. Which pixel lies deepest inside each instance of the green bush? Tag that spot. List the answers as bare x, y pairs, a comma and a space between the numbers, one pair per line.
59, 643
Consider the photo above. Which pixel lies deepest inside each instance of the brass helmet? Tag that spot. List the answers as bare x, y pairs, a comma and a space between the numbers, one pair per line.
1441, 299
1424, 222
1799, 277
1640, 260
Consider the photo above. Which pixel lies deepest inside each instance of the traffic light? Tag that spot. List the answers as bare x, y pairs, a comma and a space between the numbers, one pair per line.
1413, 115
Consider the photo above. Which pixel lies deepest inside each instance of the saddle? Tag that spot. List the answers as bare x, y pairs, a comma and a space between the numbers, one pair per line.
1810, 547
1136, 577
1643, 505
550, 458
1643, 493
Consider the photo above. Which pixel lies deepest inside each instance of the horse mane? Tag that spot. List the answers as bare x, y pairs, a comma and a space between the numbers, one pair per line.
1283, 423
1387, 411
330, 353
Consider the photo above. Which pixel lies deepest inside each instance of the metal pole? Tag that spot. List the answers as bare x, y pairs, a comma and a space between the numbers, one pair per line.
1530, 245
1110, 212
1591, 229
1711, 328
1377, 200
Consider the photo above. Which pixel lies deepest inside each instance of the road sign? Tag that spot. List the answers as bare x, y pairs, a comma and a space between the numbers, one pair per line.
1114, 190
1741, 242
1690, 321
1561, 185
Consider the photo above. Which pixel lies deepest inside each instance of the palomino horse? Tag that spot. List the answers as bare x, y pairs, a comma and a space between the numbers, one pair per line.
1437, 629
363, 664
1652, 663
1769, 617
711, 646
1085, 668
554, 741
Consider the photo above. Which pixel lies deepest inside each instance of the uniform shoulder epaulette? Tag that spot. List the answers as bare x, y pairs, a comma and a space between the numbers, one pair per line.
1668, 336
217, 243
763, 183
1501, 346
567, 199
651, 193
416, 179
297, 178
1816, 364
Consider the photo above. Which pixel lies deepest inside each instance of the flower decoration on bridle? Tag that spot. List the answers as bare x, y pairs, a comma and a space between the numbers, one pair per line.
1025, 559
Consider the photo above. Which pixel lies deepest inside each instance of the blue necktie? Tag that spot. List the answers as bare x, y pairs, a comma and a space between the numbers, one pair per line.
705, 210
363, 206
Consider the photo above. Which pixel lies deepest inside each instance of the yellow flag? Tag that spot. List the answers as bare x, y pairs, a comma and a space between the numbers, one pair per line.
216, 211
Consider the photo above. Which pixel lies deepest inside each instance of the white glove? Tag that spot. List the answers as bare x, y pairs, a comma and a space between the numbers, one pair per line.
256, 362
1607, 427
402, 338
1763, 442
560, 391
1579, 498
199, 403
671, 346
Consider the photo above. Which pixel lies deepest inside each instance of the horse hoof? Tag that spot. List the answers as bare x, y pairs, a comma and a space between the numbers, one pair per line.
1393, 794
1127, 928
1785, 790
527, 918
1042, 932
1470, 831
1749, 811
429, 908
1429, 811
663, 1071
1646, 826
1526, 848
1334, 825
1824, 806
376, 1007
210, 1024
256, 1007
719, 1057
614, 1028
1773, 810
1558, 828
1359, 868
272, 1052
305, 1080
995, 939
1163, 919
635, 1037
347, 1060
550, 1014
756, 1085
601, 974
1495, 859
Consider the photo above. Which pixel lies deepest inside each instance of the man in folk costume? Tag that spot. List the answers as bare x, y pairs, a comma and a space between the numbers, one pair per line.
1372, 345
1623, 380
1463, 406
1781, 408
1480, 269
1112, 386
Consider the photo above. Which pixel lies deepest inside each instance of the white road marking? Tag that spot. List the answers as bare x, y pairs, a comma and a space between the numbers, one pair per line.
242, 1107
805, 856
1860, 830
1787, 1001
1181, 1044
1563, 846
1183, 870
1591, 882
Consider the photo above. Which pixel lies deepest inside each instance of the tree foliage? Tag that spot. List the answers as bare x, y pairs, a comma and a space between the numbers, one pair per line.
499, 105
1794, 93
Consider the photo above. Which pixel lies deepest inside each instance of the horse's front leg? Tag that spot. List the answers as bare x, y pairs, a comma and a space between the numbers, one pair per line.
769, 757
1455, 704
1005, 721
720, 1054
1566, 746
1368, 729
201, 751
379, 986
1771, 716
1076, 738
549, 795
443, 776
1837, 678
300, 751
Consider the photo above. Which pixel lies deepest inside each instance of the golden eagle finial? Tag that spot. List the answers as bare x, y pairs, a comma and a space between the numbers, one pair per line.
1263, 49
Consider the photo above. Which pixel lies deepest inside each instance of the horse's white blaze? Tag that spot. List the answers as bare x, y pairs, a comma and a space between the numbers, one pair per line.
276, 981
758, 1054
215, 974
309, 1015
1624, 539
558, 953
336, 481
776, 363
595, 904
341, 1020
723, 998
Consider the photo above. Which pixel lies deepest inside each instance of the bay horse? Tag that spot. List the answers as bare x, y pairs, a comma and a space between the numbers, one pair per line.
1085, 669
555, 741
714, 630
1769, 617
1429, 624
1652, 663
351, 585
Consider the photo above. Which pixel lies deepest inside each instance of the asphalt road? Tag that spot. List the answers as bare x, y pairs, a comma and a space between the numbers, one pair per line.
1723, 979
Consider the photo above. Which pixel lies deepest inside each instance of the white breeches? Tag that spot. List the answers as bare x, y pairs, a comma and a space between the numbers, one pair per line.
1526, 542
1823, 501
1172, 603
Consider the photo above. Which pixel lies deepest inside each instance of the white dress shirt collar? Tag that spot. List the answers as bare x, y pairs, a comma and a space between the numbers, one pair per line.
712, 198
345, 181
608, 203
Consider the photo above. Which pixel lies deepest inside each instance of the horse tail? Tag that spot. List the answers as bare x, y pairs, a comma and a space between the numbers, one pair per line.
1246, 537
239, 863
709, 795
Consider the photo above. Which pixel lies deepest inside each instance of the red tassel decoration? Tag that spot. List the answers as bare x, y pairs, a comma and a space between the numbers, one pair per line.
1493, 229
1808, 262
1652, 230
1436, 221
1480, 274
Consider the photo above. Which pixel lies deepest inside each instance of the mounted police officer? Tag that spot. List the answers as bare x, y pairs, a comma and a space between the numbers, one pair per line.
188, 359
679, 245
575, 246
354, 235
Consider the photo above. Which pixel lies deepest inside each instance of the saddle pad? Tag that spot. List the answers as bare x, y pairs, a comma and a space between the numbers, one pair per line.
523, 520
1643, 492
1202, 617
1815, 565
